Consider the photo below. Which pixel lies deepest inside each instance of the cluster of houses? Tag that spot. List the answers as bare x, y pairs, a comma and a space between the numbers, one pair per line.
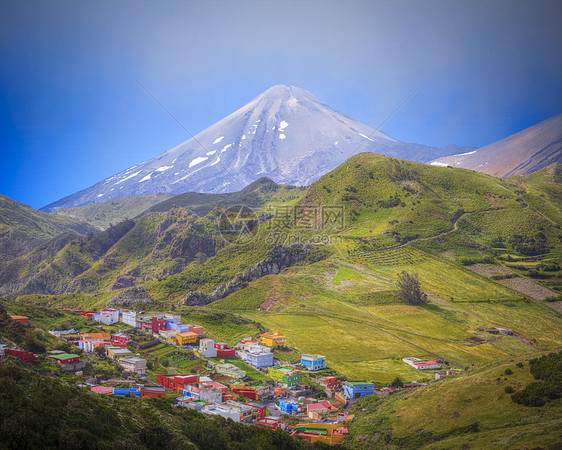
148, 391
286, 393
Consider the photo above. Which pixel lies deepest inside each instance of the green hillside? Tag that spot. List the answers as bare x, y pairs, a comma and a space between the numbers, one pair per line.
394, 216
255, 195
22, 228
38, 412
472, 410
112, 211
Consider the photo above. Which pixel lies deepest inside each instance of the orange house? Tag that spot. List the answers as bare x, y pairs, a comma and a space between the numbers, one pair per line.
152, 391
21, 319
188, 337
274, 339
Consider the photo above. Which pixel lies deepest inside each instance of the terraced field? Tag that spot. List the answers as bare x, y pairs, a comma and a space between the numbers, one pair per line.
404, 255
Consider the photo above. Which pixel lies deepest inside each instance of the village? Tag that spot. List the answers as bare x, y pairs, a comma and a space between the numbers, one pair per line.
248, 383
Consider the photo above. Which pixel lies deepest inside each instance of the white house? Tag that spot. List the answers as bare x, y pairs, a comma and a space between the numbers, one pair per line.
107, 316
419, 364
129, 317
207, 348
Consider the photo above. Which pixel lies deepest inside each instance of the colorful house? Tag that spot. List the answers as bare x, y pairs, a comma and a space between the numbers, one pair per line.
328, 433
21, 319
357, 389
318, 408
259, 356
330, 382
313, 362
177, 382
95, 336
102, 390
22, 355
247, 392
270, 422
124, 392
259, 407
285, 376
89, 345
133, 364
186, 338
198, 330
152, 391
212, 349
274, 339
118, 352
120, 340
288, 406
106, 316
65, 358
420, 364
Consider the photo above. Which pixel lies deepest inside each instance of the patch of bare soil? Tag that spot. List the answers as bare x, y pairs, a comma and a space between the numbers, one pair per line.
555, 305
488, 269
528, 287
267, 304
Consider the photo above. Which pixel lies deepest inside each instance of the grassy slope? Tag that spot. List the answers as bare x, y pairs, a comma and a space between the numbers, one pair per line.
365, 333
255, 195
112, 211
425, 416
342, 308
36, 224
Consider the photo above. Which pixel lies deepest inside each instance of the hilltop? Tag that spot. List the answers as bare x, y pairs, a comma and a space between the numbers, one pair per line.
22, 228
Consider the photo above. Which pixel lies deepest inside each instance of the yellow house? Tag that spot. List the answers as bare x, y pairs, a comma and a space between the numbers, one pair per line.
274, 339
189, 337
328, 433
118, 352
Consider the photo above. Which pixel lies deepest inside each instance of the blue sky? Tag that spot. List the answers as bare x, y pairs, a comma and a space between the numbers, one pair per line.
71, 113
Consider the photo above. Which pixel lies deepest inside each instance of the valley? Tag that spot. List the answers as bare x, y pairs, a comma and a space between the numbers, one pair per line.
321, 267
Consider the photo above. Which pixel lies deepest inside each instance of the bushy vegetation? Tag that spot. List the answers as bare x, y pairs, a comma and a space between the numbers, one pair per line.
38, 412
547, 369
409, 289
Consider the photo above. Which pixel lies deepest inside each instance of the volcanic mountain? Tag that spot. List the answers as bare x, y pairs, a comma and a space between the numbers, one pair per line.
285, 133
522, 153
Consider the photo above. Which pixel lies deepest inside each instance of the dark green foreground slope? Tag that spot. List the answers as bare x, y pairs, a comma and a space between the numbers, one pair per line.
38, 412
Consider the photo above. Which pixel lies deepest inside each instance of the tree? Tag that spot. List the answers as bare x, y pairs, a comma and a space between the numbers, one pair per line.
409, 289
99, 352
396, 383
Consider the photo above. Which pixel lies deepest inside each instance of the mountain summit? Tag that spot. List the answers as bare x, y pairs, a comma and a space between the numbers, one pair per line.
285, 133
521, 153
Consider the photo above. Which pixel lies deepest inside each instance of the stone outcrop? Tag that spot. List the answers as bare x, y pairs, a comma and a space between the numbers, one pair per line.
278, 259
131, 297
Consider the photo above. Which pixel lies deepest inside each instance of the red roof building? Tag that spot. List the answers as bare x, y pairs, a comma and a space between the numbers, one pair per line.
102, 390
177, 382
120, 340
22, 355
21, 319
152, 391
65, 358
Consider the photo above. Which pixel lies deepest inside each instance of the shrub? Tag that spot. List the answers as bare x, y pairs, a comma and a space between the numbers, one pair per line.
508, 371
509, 390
